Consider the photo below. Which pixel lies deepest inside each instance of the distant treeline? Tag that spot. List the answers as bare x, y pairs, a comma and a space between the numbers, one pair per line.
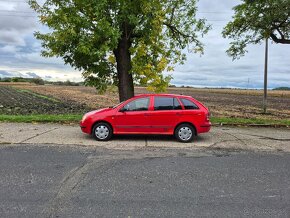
40, 81
282, 88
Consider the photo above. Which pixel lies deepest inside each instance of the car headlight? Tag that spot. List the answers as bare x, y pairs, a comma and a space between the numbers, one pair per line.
84, 117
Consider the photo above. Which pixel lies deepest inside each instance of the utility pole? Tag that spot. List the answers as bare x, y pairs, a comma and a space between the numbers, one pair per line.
265, 78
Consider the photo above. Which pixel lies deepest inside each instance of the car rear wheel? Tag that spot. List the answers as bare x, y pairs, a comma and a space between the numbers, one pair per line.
184, 133
102, 132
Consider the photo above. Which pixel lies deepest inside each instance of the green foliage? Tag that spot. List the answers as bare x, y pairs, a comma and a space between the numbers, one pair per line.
17, 79
37, 95
255, 21
85, 33
37, 81
282, 88
41, 118
249, 121
5, 79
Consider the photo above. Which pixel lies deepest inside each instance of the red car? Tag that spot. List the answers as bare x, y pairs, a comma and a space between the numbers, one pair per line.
165, 114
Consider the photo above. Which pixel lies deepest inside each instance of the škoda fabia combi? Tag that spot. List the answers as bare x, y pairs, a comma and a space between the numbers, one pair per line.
166, 114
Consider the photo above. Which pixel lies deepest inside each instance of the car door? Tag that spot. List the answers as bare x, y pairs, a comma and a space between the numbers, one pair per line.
165, 114
133, 117
191, 112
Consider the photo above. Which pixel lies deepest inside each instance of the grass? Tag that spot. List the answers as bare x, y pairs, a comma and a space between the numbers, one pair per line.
249, 121
41, 118
75, 118
38, 95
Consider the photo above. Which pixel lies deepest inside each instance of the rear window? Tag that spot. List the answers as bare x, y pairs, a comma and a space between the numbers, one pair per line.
166, 103
188, 105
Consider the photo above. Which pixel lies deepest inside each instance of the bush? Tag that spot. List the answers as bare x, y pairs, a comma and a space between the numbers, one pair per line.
37, 81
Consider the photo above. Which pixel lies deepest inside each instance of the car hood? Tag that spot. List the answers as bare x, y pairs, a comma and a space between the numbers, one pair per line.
98, 111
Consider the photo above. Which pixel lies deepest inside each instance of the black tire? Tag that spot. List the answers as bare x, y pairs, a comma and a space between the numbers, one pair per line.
185, 133
102, 132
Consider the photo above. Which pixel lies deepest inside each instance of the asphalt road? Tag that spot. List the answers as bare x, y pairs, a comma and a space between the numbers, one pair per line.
74, 181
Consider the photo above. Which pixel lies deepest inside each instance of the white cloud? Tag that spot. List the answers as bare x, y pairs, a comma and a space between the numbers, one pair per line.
8, 49
20, 52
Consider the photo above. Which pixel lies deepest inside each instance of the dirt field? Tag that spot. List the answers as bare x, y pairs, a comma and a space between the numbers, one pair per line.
16, 101
221, 102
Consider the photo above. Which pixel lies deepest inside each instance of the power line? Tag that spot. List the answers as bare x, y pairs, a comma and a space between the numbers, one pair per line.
214, 12
16, 15
14, 1
8, 11
11, 15
33, 14
202, 12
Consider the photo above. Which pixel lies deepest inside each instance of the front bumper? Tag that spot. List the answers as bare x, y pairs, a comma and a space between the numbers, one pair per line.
84, 128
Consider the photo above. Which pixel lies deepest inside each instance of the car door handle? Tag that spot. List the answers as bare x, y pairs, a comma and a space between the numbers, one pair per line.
178, 114
146, 115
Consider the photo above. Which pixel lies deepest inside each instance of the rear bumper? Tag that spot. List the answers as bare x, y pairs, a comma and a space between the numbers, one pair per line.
205, 128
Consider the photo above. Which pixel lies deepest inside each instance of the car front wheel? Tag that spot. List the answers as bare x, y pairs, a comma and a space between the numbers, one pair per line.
102, 132
184, 133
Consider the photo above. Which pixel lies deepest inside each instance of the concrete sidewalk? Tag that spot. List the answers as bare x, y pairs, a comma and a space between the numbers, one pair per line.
245, 138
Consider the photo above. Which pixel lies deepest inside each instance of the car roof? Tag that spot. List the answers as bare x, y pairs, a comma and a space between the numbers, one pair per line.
163, 95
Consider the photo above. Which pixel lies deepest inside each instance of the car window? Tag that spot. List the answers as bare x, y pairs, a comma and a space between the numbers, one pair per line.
188, 105
166, 103
177, 105
141, 104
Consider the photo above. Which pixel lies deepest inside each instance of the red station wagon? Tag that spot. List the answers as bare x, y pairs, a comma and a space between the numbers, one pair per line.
166, 114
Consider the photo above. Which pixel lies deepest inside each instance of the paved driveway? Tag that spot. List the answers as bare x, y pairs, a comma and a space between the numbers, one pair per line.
244, 138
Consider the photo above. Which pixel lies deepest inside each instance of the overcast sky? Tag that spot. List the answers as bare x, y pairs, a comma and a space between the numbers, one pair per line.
20, 52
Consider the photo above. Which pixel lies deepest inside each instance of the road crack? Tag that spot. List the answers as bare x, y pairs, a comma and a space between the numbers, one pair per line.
39, 134
69, 184
269, 138
237, 139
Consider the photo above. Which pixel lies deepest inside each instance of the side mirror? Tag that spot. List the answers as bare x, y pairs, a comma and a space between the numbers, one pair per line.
122, 110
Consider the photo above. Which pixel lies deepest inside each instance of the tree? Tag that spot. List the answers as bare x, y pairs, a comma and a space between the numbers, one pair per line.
121, 41
257, 20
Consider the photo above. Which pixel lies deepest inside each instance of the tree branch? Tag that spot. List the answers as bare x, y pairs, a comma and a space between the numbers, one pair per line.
281, 34
176, 33
172, 15
277, 40
175, 30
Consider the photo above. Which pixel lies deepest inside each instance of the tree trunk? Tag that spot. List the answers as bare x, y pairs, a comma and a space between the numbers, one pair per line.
123, 59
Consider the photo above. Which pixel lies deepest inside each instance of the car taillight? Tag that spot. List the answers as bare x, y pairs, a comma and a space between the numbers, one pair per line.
207, 116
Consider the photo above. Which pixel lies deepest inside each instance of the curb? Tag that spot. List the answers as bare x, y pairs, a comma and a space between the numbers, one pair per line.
252, 125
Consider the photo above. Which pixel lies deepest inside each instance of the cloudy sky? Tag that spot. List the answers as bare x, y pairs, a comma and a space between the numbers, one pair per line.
20, 52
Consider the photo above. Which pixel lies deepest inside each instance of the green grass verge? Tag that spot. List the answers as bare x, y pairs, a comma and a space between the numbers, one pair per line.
75, 118
41, 118
249, 121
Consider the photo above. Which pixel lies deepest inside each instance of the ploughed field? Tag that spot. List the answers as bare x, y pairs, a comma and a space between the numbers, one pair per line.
78, 99
21, 102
